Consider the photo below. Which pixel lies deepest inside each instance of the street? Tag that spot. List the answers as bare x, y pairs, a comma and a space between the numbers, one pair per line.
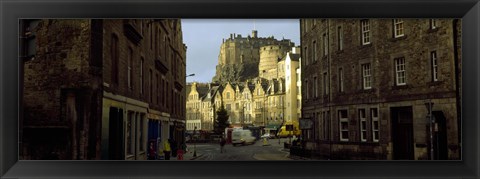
258, 151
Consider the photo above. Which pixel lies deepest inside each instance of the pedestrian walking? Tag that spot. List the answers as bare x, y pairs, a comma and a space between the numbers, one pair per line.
151, 152
222, 144
167, 149
181, 151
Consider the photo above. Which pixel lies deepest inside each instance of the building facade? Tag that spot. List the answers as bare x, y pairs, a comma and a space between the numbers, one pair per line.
382, 88
256, 102
114, 87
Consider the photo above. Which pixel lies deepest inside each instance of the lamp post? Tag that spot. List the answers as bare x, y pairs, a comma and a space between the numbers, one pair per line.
193, 74
429, 106
194, 143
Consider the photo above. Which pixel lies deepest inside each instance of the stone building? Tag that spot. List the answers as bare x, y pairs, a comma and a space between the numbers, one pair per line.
101, 89
195, 92
367, 86
269, 58
239, 56
242, 89
290, 69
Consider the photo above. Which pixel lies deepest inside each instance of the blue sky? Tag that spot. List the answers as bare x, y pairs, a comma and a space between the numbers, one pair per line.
203, 38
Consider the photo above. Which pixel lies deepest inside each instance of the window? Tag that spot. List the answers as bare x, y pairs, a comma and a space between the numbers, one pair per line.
315, 86
325, 83
151, 85
228, 95
398, 28
375, 125
340, 37
157, 88
367, 76
340, 80
228, 106
130, 73
141, 133
433, 24
343, 124
306, 89
141, 75
130, 133
305, 62
165, 95
363, 125
314, 50
151, 35
114, 52
29, 34
433, 56
365, 26
400, 71
162, 91
322, 125
325, 45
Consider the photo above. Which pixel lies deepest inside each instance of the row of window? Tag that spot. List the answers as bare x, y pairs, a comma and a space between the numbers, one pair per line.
398, 31
136, 139
367, 124
161, 87
366, 71
344, 130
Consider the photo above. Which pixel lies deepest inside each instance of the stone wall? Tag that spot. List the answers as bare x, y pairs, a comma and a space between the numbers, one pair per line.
62, 93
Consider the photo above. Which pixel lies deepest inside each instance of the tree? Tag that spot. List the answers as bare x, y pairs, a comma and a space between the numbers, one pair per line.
221, 122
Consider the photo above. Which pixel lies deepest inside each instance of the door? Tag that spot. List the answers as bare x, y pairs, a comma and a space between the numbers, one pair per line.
440, 150
115, 134
402, 133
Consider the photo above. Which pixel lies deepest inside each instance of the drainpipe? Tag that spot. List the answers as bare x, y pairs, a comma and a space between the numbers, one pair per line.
457, 84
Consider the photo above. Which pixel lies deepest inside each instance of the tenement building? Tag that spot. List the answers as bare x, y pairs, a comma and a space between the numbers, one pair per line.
382, 88
101, 89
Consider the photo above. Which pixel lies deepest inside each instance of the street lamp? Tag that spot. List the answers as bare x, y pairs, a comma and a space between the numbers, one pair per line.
194, 143
429, 105
193, 74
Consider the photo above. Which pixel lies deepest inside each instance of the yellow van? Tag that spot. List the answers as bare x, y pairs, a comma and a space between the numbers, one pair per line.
282, 132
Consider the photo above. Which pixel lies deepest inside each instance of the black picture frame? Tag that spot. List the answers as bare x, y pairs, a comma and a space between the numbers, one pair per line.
10, 95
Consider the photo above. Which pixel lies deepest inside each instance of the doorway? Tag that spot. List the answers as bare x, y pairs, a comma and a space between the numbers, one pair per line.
402, 133
440, 151
115, 134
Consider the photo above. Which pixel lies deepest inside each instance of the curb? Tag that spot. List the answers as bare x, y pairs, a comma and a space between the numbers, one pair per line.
198, 156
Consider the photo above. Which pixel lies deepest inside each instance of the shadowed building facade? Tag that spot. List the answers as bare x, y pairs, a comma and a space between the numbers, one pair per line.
101, 89
367, 86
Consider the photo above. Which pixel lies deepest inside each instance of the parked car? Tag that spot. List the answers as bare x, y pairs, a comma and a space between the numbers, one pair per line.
242, 137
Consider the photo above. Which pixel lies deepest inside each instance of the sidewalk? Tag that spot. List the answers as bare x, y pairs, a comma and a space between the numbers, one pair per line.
187, 156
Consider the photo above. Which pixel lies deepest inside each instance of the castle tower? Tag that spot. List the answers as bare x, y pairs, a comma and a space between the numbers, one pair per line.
254, 33
269, 56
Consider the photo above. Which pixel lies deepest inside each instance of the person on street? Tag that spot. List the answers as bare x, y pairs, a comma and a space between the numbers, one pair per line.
151, 152
222, 144
167, 149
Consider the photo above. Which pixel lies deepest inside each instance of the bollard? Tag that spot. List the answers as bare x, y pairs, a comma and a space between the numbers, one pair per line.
265, 142
179, 154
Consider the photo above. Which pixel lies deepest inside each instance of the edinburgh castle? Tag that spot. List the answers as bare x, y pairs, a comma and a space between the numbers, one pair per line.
240, 57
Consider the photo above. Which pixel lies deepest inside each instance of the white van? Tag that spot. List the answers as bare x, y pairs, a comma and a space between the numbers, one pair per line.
242, 137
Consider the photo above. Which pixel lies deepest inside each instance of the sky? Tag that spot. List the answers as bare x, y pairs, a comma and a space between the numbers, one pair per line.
203, 38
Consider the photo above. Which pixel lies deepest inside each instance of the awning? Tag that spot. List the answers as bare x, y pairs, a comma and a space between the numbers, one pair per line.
272, 126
